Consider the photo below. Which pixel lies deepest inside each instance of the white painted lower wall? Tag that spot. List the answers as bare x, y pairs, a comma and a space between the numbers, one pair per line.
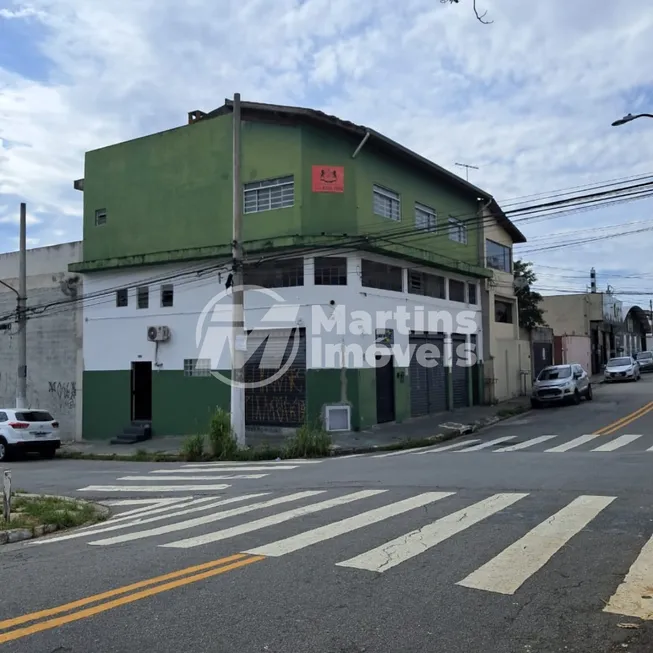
114, 337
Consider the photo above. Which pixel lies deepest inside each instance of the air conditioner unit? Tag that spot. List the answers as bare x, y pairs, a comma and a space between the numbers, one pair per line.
337, 418
158, 333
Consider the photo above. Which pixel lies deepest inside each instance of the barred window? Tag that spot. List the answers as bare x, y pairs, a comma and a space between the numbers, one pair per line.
197, 367
424, 217
275, 274
269, 194
457, 231
387, 203
330, 271
429, 285
142, 297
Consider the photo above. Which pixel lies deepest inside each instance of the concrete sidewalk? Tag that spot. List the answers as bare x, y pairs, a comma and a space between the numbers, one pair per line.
412, 432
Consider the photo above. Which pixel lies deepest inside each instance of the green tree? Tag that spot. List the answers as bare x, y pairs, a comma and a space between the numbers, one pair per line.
480, 17
530, 313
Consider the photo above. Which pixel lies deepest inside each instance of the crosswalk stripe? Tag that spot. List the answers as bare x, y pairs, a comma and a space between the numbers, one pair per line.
140, 502
222, 469
154, 488
619, 442
634, 596
155, 510
259, 463
329, 531
525, 445
139, 520
407, 546
401, 452
448, 447
487, 445
228, 477
509, 570
271, 520
207, 519
565, 446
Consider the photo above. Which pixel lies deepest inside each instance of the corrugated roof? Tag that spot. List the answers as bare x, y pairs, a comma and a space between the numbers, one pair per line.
315, 116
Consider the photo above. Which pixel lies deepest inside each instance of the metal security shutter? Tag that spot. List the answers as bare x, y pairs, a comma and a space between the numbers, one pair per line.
419, 388
459, 375
281, 402
476, 372
428, 389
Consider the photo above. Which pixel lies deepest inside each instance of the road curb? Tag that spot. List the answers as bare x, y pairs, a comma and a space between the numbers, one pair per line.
22, 534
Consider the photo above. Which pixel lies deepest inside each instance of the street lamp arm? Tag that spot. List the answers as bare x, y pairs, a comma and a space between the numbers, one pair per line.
630, 117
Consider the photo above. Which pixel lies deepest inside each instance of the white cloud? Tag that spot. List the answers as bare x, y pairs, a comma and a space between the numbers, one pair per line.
529, 99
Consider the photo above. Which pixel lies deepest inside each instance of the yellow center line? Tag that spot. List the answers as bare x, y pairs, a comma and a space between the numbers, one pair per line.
125, 600
206, 570
625, 421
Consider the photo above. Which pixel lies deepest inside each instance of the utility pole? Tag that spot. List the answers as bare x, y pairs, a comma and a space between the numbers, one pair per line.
21, 388
238, 337
467, 168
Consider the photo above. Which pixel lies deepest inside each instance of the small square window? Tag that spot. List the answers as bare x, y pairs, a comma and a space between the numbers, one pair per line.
167, 295
100, 217
122, 297
143, 297
197, 367
503, 311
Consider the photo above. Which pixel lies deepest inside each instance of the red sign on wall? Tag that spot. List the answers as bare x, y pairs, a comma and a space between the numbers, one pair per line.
328, 179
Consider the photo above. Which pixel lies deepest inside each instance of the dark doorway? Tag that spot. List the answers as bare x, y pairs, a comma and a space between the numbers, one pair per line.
142, 391
542, 356
385, 388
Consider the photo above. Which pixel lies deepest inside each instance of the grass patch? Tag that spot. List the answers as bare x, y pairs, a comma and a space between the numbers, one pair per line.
192, 448
309, 441
222, 443
32, 511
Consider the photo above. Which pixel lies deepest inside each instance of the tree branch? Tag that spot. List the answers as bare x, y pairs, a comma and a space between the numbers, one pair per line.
479, 17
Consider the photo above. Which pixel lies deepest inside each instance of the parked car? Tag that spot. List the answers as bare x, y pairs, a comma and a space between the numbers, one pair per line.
28, 430
561, 384
624, 368
645, 360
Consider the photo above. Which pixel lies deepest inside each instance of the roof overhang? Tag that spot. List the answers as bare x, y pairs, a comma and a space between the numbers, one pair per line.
282, 112
638, 314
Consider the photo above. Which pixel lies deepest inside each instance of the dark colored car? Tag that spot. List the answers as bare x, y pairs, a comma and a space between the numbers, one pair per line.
645, 360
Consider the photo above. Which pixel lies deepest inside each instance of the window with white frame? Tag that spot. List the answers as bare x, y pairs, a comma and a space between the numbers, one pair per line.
269, 194
424, 217
387, 203
457, 231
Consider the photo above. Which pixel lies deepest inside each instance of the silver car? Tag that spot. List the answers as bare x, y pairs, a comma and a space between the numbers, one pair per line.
645, 360
624, 368
561, 384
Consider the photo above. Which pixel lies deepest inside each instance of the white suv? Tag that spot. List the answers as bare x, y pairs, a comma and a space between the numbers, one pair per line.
26, 430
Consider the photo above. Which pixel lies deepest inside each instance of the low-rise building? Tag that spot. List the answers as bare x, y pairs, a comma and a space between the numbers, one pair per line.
337, 219
590, 328
54, 333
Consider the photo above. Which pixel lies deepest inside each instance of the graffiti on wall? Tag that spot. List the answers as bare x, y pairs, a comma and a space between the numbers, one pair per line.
63, 395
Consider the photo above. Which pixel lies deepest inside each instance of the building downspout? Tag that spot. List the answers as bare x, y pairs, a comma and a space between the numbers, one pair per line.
361, 145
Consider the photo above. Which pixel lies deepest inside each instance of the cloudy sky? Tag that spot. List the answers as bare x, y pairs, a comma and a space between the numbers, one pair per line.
528, 99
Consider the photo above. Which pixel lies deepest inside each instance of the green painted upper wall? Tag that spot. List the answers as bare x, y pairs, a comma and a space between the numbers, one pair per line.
172, 191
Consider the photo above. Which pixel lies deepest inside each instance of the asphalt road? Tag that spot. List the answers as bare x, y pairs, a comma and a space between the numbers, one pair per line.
538, 549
